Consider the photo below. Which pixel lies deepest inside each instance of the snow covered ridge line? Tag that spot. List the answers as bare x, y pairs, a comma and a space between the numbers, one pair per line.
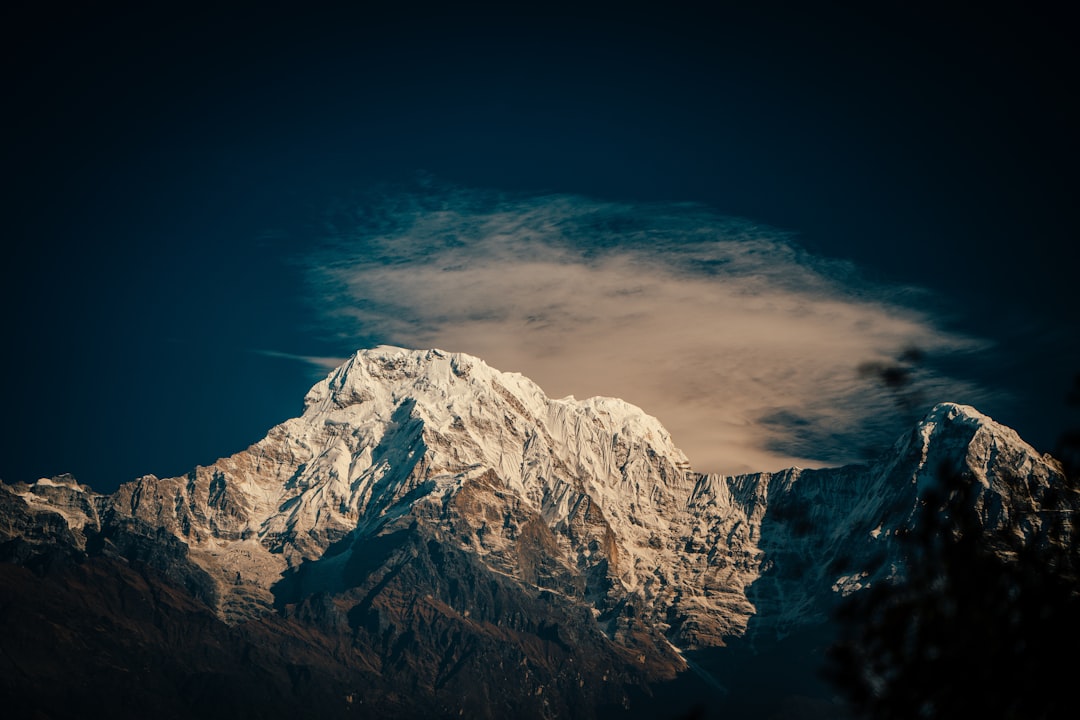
588, 499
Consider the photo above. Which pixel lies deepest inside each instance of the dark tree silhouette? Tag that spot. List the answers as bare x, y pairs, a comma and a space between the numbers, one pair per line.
982, 623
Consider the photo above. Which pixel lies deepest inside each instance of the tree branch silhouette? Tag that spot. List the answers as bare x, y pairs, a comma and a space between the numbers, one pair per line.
979, 622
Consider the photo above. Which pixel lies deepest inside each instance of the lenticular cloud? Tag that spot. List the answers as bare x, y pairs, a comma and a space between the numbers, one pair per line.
746, 347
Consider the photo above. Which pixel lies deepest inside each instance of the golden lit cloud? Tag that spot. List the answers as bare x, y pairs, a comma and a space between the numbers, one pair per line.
744, 346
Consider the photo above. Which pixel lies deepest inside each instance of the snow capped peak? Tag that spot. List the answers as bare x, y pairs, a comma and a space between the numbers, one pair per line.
388, 366
66, 480
439, 377
589, 499
951, 444
424, 494
964, 436
395, 434
950, 412
424, 489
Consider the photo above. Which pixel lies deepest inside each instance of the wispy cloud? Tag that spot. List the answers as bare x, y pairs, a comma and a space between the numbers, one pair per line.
320, 365
746, 347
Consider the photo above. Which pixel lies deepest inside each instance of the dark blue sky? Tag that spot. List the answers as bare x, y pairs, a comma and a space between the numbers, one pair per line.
165, 173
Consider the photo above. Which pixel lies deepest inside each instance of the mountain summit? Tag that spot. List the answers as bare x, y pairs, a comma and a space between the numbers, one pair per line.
434, 536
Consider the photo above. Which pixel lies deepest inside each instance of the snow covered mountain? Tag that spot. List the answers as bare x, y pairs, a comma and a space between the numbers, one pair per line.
456, 541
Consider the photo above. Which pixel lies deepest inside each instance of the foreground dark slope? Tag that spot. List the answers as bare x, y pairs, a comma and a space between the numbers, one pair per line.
118, 637
433, 538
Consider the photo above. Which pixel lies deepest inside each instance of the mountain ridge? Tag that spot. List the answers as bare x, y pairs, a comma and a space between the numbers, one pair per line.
443, 518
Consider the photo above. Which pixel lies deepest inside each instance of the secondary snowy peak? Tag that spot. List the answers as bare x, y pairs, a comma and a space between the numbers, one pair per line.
962, 436
818, 534
50, 517
955, 440
62, 495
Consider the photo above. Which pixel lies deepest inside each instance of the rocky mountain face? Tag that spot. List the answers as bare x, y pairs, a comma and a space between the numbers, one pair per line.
435, 537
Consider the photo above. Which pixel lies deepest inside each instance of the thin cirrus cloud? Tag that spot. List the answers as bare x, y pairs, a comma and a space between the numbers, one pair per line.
320, 365
745, 347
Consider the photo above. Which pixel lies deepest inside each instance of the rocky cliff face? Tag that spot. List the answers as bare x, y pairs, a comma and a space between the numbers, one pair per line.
459, 542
